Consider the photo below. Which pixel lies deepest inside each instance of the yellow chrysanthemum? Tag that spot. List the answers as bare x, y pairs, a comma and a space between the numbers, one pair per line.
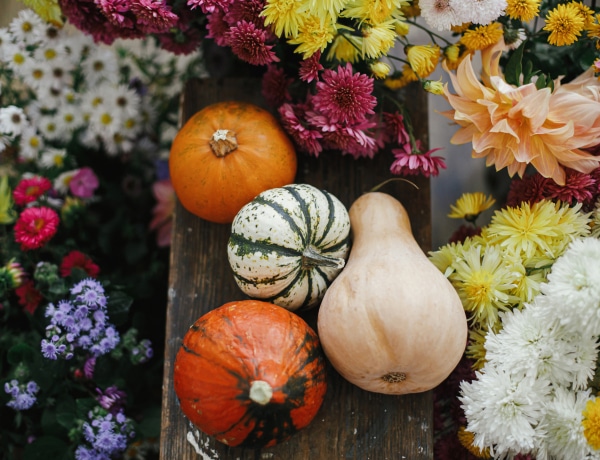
542, 229
470, 205
423, 59
591, 423
406, 77
528, 278
313, 35
401, 27
453, 56
483, 283
284, 15
434, 87
593, 29
7, 213
444, 256
565, 25
466, 439
48, 10
411, 9
586, 13
346, 48
475, 350
522, 10
373, 11
482, 36
323, 8
378, 39
380, 69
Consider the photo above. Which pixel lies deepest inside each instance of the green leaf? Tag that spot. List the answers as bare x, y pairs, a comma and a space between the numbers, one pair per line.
21, 353
149, 426
118, 307
514, 66
65, 413
46, 447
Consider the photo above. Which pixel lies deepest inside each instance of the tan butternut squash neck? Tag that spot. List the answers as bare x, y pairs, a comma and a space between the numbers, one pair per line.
379, 214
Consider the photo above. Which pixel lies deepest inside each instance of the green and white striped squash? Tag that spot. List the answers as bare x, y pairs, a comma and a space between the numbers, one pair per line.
288, 244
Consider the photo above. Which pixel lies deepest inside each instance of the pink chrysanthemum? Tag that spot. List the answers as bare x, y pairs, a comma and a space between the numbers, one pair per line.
185, 41
463, 232
83, 183
275, 86
77, 259
248, 11
210, 6
310, 68
29, 190
530, 189
117, 12
162, 213
217, 28
395, 128
306, 138
249, 44
153, 16
35, 227
345, 96
409, 163
579, 187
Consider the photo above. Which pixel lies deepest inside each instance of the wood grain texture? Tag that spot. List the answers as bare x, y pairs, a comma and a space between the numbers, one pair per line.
352, 423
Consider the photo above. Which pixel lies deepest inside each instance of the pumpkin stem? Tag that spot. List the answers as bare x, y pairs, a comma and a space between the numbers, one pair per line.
312, 258
223, 141
260, 392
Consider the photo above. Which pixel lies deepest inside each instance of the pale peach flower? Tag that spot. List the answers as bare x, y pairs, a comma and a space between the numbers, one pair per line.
514, 126
162, 213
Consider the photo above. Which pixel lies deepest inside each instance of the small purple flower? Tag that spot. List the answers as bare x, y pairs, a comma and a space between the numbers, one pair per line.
112, 399
22, 394
83, 183
106, 433
49, 350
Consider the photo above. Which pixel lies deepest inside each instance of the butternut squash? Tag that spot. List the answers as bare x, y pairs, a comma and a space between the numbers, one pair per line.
390, 322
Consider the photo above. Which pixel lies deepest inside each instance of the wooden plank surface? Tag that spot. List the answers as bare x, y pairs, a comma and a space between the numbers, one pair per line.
352, 423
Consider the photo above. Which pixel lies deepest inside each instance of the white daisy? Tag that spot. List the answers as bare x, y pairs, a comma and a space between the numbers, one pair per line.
27, 27
52, 158
101, 64
77, 46
68, 118
30, 144
35, 74
439, 14
15, 55
12, 120
49, 127
61, 183
562, 421
478, 11
126, 101
504, 410
5, 39
49, 98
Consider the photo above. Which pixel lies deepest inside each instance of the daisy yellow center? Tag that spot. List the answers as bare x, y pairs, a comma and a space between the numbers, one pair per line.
97, 101
98, 66
478, 287
18, 58
69, 118
591, 423
34, 142
27, 27
38, 74
106, 119
50, 54
130, 123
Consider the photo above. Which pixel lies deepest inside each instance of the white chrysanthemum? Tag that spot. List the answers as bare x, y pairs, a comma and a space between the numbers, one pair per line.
12, 120
574, 283
52, 158
439, 14
562, 421
478, 11
530, 342
100, 65
27, 27
61, 183
503, 410
30, 144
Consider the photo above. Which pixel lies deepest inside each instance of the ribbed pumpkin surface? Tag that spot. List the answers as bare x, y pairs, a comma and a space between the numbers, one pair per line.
223, 356
288, 244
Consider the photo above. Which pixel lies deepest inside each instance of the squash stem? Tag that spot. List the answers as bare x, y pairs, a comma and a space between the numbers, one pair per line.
260, 392
311, 258
222, 142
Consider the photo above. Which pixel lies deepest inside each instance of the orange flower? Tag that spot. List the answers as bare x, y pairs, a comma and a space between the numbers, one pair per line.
514, 126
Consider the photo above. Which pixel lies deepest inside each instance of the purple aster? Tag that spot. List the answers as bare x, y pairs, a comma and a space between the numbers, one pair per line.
248, 42
22, 394
344, 96
106, 433
88, 367
112, 399
49, 350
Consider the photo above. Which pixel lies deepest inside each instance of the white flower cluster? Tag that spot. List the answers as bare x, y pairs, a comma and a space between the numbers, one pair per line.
530, 395
443, 14
68, 85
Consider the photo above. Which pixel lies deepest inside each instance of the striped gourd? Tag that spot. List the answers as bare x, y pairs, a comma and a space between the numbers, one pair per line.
288, 244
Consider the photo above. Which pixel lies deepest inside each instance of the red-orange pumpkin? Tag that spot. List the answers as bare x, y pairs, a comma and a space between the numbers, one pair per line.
250, 373
225, 155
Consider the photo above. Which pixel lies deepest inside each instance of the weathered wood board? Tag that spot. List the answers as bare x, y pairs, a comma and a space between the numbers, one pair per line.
352, 423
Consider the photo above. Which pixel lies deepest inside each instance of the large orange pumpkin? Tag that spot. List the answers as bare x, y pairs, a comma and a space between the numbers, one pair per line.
250, 373
225, 155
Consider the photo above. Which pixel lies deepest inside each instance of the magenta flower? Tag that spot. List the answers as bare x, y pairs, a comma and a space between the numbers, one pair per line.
162, 213
248, 42
345, 96
310, 68
217, 28
395, 128
153, 16
275, 86
29, 190
35, 227
84, 183
303, 134
409, 163
248, 11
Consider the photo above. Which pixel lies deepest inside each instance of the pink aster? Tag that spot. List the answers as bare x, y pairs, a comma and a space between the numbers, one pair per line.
29, 297
306, 138
409, 163
345, 96
275, 86
395, 128
117, 12
29, 190
217, 28
248, 11
248, 42
162, 213
35, 227
84, 183
153, 16
77, 259
529, 189
310, 68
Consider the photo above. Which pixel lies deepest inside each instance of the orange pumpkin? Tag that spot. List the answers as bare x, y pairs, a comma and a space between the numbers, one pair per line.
250, 373
225, 155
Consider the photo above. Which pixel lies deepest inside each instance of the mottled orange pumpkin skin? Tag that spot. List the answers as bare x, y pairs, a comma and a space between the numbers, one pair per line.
215, 188
230, 347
